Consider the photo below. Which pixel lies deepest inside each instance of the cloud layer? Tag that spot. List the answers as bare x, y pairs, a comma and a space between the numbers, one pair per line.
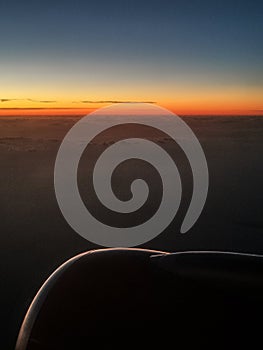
25, 99
83, 101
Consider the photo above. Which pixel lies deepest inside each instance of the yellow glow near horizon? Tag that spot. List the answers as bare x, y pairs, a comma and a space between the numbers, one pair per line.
181, 100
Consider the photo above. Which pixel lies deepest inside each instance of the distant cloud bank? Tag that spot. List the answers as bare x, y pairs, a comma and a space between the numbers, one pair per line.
25, 99
115, 101
83, 101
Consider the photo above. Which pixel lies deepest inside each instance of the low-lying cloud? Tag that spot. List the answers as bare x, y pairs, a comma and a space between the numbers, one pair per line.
26, 99
3, 100
41, 101
115, 101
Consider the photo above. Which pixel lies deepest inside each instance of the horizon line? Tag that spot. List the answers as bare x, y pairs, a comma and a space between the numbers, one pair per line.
30, 110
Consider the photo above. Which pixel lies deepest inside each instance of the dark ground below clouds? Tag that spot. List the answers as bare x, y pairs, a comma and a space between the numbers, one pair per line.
35, 238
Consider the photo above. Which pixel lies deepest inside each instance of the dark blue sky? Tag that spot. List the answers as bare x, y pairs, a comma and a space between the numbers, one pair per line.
148, 26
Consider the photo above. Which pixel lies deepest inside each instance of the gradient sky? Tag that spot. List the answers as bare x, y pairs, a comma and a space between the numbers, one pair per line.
193, 57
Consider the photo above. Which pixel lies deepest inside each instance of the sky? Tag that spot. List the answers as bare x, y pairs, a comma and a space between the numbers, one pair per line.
193, 57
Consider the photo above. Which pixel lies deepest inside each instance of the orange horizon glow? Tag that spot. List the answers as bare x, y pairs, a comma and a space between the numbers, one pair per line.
203, 102
80, 111
181, 100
